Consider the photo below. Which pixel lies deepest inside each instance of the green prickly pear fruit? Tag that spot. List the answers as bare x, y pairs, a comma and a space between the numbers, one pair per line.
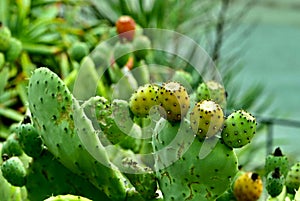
11, 147
239, 129
174, 101
183, 77
30, 140
67, 197
248, 187
277, 159
14, 50
79, 50
14, 172
122, 52
292, 180
206, 118
275, 182
141, 45
143, 99
2, 60
5, 36
212, 90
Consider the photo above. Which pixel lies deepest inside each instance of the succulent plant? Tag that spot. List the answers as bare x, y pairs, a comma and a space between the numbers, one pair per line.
5, 36
277, 160
206, 118
275, 182
292, 180
239, 129
174, 101
248, 187
67, 197
14, 171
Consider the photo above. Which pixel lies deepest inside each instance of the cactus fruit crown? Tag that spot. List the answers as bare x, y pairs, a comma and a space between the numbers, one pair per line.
276, 173
277, 152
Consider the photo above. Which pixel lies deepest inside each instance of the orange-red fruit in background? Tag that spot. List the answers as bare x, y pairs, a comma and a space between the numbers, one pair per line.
125, 28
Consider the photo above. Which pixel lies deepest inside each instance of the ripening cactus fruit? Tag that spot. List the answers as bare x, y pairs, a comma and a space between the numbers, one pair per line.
30, 140
78, 50
5, 36
141, 45
174, 101
14, 50
11, 147
275, 182
239, 129
292, 180
277, 159
206, 118
67, 197
143, 99
126, 28
248, 187
14, 172
212, 90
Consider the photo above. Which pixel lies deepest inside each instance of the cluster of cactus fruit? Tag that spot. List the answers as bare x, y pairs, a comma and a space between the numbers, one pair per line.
10, 47
163, 142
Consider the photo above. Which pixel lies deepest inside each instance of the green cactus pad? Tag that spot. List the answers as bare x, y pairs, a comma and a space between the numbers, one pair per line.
2, 60
239, 129
5, 36
181, 173
122, 52
30, 140
14, 172
62, 124
174, 101
143, 99
277, 159
46, 176
275, 182
14, 50
206, 118
67, 197
114, 121
141, 45
292, 181
11, 147
212, 90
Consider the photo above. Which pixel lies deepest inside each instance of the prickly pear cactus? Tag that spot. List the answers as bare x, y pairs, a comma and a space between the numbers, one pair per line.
68, 197
277, 160
61, 121
275, 182
14, 171
182, 173
292, 181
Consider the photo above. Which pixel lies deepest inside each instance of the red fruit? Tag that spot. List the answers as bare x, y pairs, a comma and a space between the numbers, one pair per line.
125, 28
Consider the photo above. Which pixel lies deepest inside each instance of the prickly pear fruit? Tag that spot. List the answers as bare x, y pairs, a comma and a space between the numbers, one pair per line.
14, 172
183, 77
14, 50
181, 172
248, 187
277, 159
143, 99
11, 147
239, 129
5, 36
174, 101
126, 28
212, 90
275, 182
58, 118
292, 180
30, 140
206, 118
67, 197
79, 50
122, 52
141, 45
